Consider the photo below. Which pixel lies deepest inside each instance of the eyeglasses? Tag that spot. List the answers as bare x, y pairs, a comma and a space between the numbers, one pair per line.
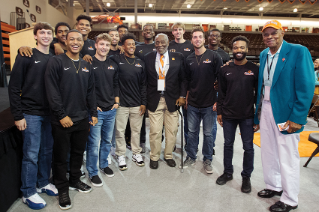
214, 36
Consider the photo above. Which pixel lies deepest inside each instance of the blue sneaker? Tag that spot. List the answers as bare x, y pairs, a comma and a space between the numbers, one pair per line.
50, 189
34, 202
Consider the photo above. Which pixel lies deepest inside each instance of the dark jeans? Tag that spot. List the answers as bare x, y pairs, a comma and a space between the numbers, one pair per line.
185, 125
247, 136
194, 116
71, 139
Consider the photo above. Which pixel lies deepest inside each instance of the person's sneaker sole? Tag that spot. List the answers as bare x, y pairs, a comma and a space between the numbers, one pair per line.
123, 168
32, 205
79, 190
209, 172
135, 161
108, 175
65, 208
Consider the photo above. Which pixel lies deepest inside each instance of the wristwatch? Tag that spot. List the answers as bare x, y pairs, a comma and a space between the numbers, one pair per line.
117, 103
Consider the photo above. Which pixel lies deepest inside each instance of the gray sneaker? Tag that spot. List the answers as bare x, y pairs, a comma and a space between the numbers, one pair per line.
207, 164
188, 162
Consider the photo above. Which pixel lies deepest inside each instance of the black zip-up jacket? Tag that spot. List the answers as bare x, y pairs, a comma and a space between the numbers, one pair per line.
106, 82
202, 71
131, 80
70, 93
237, 91
26, 89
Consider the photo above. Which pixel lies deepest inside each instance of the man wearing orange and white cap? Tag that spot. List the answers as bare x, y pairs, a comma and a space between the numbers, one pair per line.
285, 91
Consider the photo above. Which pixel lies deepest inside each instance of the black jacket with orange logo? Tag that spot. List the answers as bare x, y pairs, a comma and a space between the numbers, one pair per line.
237, 86
106, 82
70, 89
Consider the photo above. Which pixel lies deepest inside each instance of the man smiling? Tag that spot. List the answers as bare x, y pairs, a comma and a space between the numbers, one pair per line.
285, 90
69, 83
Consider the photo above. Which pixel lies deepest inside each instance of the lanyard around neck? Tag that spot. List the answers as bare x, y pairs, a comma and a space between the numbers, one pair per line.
269, 67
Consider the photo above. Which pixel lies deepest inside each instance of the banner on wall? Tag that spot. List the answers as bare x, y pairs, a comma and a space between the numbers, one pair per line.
26, 3
107, 19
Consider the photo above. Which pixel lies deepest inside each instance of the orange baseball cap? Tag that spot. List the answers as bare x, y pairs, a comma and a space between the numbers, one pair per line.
273, 23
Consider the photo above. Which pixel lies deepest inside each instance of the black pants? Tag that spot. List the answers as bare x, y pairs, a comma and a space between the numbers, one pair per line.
142, 135
73, 138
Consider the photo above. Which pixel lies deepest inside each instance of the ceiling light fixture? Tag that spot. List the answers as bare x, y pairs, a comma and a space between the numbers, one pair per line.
108, 4
225, 8
261, 8
295, 10
150, 5
189, 6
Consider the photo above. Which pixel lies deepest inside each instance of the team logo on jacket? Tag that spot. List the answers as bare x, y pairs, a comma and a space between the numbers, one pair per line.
138, 65
207, 61
91, 48
85, 69
249, 72
140, 51
187, 50
110, 67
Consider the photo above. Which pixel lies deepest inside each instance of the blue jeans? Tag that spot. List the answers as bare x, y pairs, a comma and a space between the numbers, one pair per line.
102, 130
214, 131
247, 136
194, 116
37, 154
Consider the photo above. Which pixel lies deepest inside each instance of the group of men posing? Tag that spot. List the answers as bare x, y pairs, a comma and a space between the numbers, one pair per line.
74, 101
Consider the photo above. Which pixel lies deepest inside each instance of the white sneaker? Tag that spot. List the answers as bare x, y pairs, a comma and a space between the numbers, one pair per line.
34, 202
109, 161
50, 189
138, 159
121, 162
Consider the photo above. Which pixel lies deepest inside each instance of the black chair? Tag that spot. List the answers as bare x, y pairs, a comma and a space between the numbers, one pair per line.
313, 137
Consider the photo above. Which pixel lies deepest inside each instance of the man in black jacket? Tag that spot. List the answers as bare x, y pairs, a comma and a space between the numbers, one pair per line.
132, 93
107, 96
30, 109
236, 97
69, 83
166, 88
203, 67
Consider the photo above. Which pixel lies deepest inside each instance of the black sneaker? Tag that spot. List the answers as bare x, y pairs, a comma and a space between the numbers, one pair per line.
221, 180
282, 207
246, 186
80, 187
96, 181
107, 171
64, 200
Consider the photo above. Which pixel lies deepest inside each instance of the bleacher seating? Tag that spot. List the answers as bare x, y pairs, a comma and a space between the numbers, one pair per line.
5, 30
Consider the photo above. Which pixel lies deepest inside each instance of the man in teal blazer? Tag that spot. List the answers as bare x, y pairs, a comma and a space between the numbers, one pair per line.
285, 91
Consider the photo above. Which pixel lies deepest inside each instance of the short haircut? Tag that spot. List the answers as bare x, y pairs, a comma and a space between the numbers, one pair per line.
103, 36
198, 29
42, 25
151, 25
178, 24
121, 26
61, 24
85, 17
112, 30
240, 37
127, 36
73, 30
215, 30
166, 37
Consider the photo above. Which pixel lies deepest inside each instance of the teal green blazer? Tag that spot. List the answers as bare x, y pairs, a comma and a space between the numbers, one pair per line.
292, 87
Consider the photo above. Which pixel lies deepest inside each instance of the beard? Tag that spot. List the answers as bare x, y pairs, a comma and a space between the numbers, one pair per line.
199, 46
239, 58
